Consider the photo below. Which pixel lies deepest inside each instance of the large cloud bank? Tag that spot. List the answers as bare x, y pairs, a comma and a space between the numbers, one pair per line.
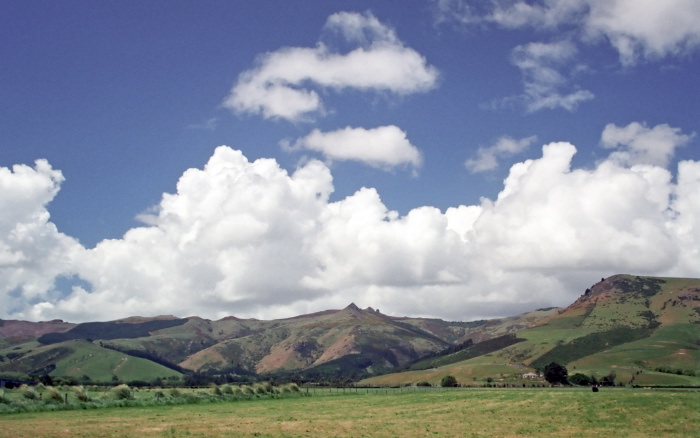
249, 239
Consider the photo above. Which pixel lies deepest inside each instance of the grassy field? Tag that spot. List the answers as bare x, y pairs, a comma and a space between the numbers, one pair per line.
390, 413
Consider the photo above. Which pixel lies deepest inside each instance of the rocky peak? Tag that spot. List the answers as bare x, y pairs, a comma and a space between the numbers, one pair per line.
353, 308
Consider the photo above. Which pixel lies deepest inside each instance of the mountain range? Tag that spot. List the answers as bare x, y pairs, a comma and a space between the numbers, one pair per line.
644, 329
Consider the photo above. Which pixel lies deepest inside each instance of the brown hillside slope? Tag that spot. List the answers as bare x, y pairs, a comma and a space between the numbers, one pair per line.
312, 340
16, 332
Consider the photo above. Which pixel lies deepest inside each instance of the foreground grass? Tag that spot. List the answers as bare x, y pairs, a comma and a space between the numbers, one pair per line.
454, 413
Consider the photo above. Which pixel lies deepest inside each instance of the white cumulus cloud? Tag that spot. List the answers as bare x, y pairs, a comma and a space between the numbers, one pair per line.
33, 253
638, 144
381, 147
550, 217
686, 226
283, 83
646, 29
233, 237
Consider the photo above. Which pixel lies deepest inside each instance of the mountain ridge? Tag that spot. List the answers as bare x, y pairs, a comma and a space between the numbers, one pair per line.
352, 343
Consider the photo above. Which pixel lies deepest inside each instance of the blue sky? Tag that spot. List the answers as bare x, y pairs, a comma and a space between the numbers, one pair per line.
406, 139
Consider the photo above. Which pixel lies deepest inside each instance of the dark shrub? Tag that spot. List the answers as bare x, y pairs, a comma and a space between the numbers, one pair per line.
580, 380
449, 382
555, 373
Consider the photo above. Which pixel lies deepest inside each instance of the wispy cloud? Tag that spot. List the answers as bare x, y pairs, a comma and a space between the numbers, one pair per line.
487, 157
545, 86
547, 14
639, 30
209, 124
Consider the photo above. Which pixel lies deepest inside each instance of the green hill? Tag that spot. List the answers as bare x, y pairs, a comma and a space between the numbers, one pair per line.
644, 330
78, 359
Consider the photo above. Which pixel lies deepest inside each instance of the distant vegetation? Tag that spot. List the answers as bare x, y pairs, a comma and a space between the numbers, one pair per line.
148, 355
639, 286
677, 371
556, 374
467, 351
449, 382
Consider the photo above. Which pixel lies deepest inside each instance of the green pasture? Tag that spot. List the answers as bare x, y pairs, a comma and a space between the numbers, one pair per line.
79, 358
552, 412
671, 347
473, 372
91, 360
